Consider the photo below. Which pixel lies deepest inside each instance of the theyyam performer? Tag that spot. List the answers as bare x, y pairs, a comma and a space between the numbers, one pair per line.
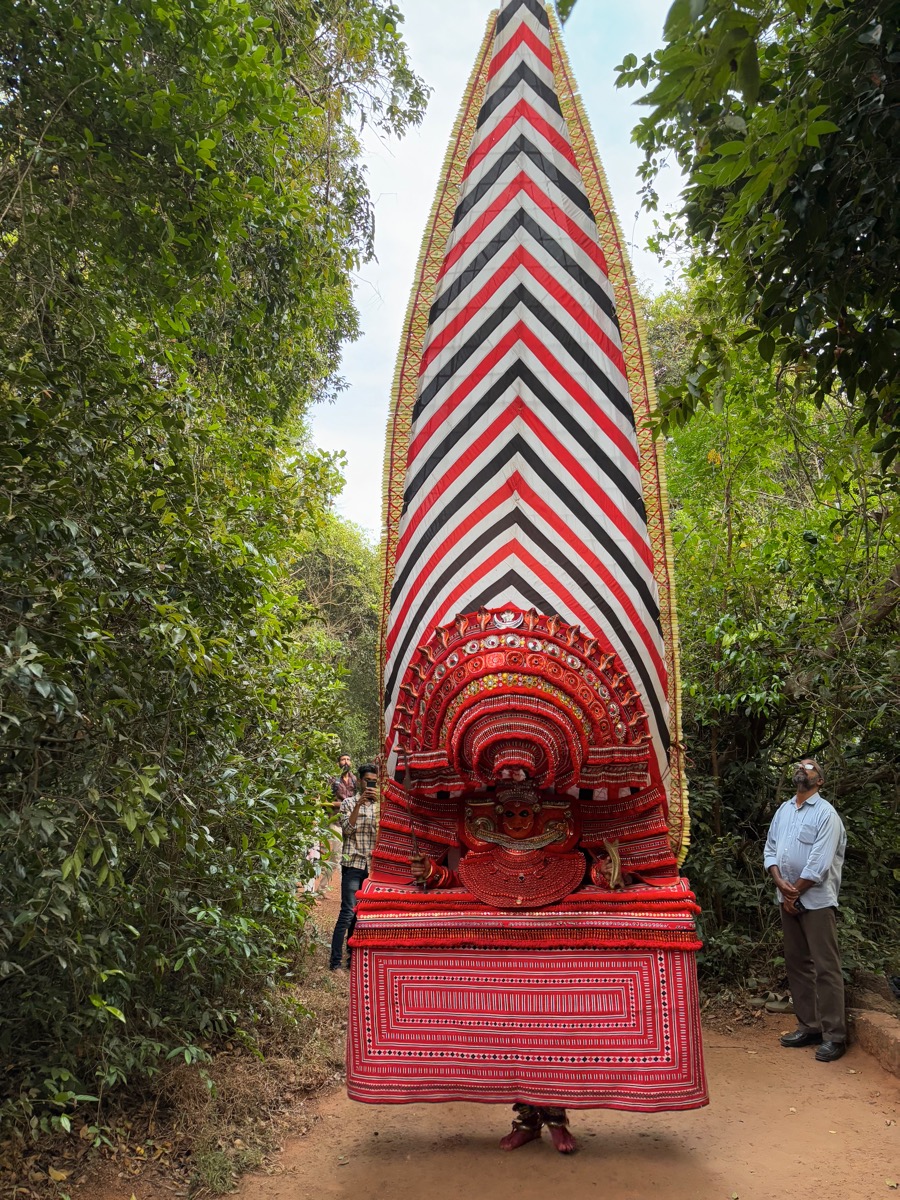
524, 936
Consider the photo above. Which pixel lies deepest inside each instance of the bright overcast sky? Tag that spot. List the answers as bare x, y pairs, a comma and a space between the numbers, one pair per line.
443, 38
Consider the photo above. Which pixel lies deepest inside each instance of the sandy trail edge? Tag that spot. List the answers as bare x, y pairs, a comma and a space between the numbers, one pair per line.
837, 1145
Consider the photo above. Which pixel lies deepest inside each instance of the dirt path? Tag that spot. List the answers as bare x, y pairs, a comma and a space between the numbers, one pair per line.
841, 1143
779, 1125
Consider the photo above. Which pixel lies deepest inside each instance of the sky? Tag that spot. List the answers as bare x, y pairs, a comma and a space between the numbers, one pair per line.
443, 37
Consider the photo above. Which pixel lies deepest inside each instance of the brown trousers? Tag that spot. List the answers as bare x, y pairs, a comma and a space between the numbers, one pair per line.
813, 964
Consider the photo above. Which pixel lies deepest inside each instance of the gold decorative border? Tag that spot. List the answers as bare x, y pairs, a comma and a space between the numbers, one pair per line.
412, 340
643, 399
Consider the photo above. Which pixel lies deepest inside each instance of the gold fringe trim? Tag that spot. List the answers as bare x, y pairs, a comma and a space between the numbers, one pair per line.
643, 398
415, 328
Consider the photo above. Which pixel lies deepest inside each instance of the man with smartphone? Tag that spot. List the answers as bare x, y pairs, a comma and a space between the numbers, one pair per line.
805, 856
359, 822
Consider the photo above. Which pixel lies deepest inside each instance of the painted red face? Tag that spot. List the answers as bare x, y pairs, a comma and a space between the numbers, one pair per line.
517, 820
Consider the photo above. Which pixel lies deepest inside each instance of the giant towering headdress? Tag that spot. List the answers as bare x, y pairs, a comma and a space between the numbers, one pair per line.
528, 635
528, 611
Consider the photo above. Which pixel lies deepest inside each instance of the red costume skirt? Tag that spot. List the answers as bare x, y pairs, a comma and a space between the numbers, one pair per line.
589, 1003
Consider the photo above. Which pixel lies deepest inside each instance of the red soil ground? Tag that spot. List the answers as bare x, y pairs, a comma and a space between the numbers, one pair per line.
779, 1125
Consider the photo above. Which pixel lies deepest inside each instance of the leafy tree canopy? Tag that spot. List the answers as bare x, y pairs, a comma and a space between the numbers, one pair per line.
181, 211
341, 572
782, 114
787, 538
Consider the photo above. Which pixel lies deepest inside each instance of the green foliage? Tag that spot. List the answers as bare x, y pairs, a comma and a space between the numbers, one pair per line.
786, 540
181, 210
341, 572
783, 117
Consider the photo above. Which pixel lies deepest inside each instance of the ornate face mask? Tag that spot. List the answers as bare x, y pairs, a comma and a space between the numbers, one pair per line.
517, 820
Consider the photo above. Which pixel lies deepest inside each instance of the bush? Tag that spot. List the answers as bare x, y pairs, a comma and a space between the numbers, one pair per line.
181, 211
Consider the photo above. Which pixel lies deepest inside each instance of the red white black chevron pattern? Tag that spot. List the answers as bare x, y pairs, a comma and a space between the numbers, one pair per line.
522, 481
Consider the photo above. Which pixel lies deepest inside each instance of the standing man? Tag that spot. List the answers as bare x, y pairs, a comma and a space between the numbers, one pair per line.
359, 822
344, 784
805, 855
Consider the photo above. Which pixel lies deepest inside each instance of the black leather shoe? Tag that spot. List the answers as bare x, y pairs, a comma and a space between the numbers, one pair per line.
831, 1051
801, 1037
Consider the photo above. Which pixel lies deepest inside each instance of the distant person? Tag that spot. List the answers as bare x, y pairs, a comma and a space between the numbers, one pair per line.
359, 823
314, 858
344, 783
805, 855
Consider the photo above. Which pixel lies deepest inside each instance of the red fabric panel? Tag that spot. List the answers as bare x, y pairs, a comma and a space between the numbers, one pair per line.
577, 1028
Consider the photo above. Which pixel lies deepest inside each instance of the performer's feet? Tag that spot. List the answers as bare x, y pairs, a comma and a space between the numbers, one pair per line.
526, 1127
558, 1123
519, 1136
562, 1139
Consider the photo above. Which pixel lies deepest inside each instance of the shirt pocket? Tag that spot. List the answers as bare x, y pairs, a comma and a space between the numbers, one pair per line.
807, 835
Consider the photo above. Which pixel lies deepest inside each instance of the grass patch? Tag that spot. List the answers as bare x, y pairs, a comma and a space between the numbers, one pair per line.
213, 1172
